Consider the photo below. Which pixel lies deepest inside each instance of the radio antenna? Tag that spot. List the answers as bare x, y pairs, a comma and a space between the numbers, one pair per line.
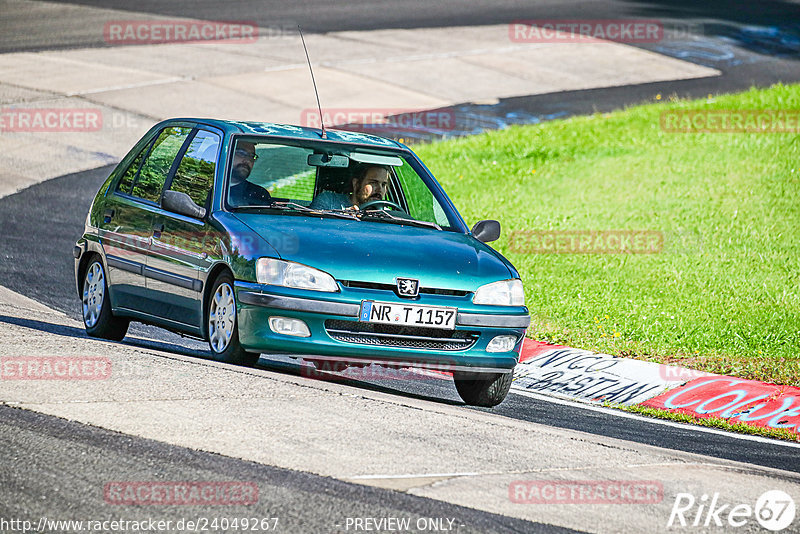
319, 107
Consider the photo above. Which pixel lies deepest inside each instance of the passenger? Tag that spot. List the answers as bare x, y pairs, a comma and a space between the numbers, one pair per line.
243, 192
370, 182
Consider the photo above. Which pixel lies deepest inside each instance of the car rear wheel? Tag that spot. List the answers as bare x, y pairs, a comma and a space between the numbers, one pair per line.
96, 307
223, 326
483, 389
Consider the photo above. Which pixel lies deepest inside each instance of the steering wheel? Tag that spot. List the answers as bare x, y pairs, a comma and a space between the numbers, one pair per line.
386, 203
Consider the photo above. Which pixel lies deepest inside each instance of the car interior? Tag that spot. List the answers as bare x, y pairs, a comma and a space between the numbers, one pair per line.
339, 180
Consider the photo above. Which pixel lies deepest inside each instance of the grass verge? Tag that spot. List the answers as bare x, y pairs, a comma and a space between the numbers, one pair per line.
722, 294
712, 422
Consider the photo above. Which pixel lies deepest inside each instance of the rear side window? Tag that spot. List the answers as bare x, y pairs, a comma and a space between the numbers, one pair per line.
153, 174
126, 183
195, 174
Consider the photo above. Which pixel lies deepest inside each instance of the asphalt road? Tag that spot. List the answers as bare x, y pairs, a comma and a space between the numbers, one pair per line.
41, 268
39, 454
325, 16
753, 44
38, 478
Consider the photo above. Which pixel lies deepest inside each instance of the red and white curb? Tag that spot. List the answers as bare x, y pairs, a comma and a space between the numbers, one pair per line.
581, 375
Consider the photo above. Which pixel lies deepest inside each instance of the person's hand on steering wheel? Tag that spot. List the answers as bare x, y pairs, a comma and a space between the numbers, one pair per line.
384, 203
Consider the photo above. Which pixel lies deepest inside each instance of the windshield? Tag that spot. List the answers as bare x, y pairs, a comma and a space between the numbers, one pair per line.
337, 180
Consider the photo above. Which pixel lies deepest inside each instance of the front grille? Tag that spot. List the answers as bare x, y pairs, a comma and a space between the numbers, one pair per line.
409, 337
393, 288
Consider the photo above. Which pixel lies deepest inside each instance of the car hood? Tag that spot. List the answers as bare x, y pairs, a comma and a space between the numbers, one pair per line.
378, 252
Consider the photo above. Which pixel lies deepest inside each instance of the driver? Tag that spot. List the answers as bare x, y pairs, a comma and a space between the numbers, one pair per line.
243, 192
370, 182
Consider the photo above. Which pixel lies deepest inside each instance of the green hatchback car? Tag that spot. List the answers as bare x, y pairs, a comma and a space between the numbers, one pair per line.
332, 246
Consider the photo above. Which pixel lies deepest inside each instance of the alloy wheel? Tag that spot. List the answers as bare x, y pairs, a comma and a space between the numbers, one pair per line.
222, 318
94, 290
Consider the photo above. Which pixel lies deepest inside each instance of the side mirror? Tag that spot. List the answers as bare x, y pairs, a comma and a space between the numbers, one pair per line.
182, 204
486, 231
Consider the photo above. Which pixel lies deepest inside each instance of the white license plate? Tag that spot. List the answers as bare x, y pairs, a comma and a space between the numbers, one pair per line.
408, 314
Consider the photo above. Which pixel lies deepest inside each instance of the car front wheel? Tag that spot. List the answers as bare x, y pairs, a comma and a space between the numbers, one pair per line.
223, 326
96, 307
483, 389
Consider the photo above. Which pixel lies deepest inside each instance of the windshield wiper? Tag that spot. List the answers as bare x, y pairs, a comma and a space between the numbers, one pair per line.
388, 217
294, 206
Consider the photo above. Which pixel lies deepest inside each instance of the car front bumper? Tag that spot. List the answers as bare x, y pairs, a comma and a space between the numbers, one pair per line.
319, 311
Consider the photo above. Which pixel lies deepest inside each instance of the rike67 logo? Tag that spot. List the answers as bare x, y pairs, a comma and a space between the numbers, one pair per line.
774, 510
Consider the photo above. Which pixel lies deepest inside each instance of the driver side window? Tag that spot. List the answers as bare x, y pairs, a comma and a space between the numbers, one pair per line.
195, 174
152, 175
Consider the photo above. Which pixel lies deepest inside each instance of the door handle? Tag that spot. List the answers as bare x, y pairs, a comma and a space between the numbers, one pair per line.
157, 229
108, 215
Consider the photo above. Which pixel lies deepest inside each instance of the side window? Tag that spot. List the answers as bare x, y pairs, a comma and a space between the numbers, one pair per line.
155, 168
195, 174
421, 203
419, 197
126, 183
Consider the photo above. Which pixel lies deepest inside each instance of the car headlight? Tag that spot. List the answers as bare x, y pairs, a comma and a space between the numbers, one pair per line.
502, 293
289, 274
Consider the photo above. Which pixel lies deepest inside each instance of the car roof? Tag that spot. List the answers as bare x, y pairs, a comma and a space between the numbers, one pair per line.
291, 131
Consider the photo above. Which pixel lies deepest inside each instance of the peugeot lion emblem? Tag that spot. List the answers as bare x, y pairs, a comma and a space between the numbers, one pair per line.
407, 287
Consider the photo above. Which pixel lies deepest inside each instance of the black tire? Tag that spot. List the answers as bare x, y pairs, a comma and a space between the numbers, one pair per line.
103, 324
483, 389
232, 351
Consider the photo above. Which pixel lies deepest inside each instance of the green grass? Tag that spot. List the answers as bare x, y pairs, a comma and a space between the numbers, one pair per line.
724, 293
713, 422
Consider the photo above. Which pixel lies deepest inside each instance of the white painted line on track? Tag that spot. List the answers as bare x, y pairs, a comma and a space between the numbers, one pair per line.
423, 475
684, 426
123, 87
541, 471
432, 55
409, 57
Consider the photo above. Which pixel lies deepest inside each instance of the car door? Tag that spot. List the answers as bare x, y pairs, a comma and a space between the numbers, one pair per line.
127, 225
178, 259
124, 232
